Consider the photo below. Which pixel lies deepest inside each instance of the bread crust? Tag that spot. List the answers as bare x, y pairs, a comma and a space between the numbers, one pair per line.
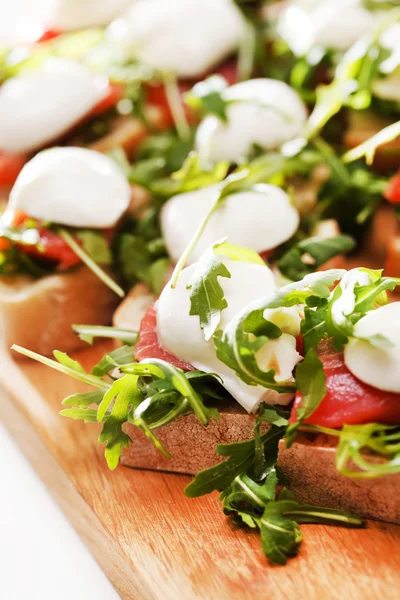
309, 463
38, 314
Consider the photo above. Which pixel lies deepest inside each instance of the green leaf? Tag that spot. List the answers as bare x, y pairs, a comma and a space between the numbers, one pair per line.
206, 97
94, 243
310, 381
280, 536
120, 356
65, 360
244, 490
313, 326
193, 176
84, 399
88, 415
176, 377
241, 459
125, 392
238, 253
272, 414
87, 333
309, 254
207, 299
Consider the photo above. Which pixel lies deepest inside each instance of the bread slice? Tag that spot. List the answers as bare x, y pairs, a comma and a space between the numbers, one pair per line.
38, 314
309, 463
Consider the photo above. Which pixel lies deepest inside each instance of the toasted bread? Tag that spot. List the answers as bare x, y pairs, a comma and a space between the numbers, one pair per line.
132, 309
38, 314
309, 463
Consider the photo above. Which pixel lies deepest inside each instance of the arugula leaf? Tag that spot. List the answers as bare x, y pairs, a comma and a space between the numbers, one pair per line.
125, 393
313, 326
94, 243
244, 335
238, 253
310, 381
83, 400
205, 97
309, 254
67, 361
120, 356
241, 459
280, 536
353, 78
87, 333
88, 415
207, 299
360, 444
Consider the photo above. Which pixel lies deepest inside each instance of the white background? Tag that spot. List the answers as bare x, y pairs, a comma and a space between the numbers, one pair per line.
41, 556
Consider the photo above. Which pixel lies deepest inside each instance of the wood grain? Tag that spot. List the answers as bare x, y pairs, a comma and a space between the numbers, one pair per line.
152, 541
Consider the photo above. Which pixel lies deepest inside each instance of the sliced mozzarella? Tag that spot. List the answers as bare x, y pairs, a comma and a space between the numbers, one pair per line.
36, 107
180, 333
71, 186
375, 366
335, 24
77, 14
260, 219
265, 112
187, 37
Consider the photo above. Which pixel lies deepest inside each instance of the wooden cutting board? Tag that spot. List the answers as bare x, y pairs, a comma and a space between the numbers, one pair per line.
152, 541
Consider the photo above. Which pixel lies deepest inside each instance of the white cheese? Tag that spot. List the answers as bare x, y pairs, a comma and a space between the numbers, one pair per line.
261, 219
78, 14
187, 37
71, 186
379, 367
265, 112
37, 107
334, 24
180, 333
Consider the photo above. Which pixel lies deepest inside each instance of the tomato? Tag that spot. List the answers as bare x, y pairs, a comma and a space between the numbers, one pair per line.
392, 191
52, 247
349, 401
10, 167
156, 95
114, 94
48, 35
148, 344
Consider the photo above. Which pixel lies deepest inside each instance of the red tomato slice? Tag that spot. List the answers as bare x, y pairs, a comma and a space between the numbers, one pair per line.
392, 191
148, 345
114, 94
52, 247
48, 35
10, 167
349, 401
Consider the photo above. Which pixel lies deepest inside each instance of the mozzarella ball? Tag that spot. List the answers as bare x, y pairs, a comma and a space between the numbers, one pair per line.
375, 366
71, 186
37, 107
180, 333
334, 24
265, 112
78, 14
260, 219
187, 37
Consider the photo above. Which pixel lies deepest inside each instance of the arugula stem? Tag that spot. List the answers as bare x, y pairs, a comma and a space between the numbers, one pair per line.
84, 377
192, 244
89, 262
369, 147
246, 52
178, 410
176, 106
85, 332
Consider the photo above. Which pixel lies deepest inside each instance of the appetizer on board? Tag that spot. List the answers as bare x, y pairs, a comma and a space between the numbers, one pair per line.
274, 154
